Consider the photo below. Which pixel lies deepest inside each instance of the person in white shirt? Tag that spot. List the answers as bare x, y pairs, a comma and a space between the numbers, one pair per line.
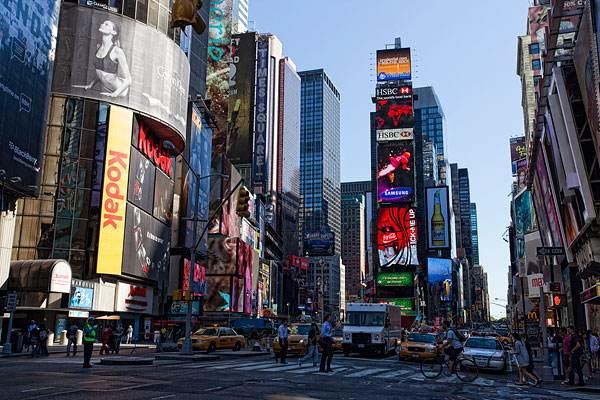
282, 333
327, 345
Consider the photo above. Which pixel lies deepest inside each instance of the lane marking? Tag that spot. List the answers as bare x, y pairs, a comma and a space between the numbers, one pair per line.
393, 374
239, 366
368, 371
168, 396
37, 389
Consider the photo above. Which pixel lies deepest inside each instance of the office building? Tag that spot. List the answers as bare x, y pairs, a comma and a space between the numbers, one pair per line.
354, 244
320, 157
464, 193
240, 16
474, 234
430, 121
430, 164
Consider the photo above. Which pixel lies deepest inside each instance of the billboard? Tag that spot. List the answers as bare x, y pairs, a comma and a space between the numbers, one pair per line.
141, 181
395, 279
105, 56
147, 245
241, 98
218, 67
438, 218
163, 198
27, 45
395, 172
114, 192
223, 251
82, 297
133, 298
393, 64
199, 279
397, 236
547, 197
523, 220
518, 153
319, 243
394, 113
439, 278
261, 103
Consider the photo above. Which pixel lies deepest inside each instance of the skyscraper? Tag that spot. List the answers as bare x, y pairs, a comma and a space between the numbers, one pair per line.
474, 234
320, 155
465, 213
240, 16
430, 121
353, 244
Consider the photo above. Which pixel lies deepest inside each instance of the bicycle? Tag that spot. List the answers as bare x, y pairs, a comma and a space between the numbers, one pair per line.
465, 368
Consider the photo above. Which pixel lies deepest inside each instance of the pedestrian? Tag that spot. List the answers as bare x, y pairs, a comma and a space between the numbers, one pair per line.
595, 349
555, 346
32, 325
34, 340
72, 339
157, 340
129, 334
105, 339
282, 334
326, 345
43, 344
530, 366
118, 337
566, 352
577, 348
313, 349
89, 337
520, 352
586, 359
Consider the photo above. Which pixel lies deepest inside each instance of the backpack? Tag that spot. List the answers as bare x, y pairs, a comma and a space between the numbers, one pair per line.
458, 335
43, 334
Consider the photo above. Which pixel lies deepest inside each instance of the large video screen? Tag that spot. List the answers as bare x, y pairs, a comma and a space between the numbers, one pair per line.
439, 277
395, 172
397, 237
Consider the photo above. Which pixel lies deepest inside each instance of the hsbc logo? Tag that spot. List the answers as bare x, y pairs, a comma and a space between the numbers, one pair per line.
385, 135
393, 91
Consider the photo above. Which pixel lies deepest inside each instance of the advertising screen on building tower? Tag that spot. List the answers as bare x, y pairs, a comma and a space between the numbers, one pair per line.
438, 218
397, 237
395, 172
393, 64
394, 118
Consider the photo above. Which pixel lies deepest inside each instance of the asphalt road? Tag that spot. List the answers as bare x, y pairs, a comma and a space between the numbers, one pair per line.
58, 377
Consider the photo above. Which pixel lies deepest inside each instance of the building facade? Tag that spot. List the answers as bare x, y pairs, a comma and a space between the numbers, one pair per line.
430, 121
354, 245
474, 234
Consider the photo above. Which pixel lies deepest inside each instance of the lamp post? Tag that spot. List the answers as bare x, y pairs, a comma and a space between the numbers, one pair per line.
169, 146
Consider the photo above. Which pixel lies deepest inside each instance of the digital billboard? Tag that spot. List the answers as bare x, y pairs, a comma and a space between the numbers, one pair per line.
394, 117
438, 218
395, 279
319, 243
82, 298
27, 45
518, 152
147, 245
199, 279
393, 64
397, 237
395, 172
260, 124
105, 56
163, 198
439, 278
141, 181
241, 98
523, 220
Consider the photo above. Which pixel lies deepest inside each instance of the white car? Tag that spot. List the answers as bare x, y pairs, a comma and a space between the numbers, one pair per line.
487, 352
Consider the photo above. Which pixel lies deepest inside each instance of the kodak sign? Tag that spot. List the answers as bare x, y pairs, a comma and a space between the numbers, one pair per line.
114, 191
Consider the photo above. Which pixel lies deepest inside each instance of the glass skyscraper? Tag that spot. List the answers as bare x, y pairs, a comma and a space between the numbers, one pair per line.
430, 122
474, 234
320, 155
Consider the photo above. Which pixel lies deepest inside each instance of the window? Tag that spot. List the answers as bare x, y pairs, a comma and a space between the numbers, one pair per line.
534, 48
536, 64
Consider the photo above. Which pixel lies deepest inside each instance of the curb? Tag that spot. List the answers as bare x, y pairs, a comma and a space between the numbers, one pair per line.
126, 361
186, 358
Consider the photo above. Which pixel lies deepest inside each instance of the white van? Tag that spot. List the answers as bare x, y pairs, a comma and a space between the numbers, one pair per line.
371, 327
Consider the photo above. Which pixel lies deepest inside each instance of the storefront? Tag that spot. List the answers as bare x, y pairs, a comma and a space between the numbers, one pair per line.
590, 297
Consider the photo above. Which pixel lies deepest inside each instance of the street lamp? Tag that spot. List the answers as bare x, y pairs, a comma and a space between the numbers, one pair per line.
170, 147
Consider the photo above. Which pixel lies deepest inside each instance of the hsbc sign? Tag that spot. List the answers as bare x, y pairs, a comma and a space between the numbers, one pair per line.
398, 91
395, 134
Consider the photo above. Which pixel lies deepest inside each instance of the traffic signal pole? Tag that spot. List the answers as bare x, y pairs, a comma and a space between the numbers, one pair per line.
544, 328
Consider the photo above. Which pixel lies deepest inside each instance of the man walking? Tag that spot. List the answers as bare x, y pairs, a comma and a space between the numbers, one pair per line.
89, 337
327, 345
72, 339
282, 333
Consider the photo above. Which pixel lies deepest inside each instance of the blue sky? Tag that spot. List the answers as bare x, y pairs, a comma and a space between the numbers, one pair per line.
465, 49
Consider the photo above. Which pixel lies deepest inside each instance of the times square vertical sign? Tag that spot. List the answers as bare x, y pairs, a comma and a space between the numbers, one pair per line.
260, 125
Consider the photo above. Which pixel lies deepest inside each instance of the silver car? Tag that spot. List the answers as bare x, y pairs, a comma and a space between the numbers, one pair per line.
487, 352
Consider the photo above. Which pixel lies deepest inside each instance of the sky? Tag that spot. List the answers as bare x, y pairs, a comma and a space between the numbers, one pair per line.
466, 50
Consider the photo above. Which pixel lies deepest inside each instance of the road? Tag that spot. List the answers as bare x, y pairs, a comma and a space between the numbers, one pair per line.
58, 377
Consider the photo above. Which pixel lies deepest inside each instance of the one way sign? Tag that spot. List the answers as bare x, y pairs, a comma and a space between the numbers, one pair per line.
550, 251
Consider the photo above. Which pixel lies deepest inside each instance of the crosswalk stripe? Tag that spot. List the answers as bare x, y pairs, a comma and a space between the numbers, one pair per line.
393, 374
281, 368
368, 371
254, 366
235, 365
303, 370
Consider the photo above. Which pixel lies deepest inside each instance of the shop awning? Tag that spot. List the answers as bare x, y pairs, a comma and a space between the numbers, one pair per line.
591, 295
108, 318
40, 276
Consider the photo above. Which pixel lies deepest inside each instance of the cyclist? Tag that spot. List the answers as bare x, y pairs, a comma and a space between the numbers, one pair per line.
452, 344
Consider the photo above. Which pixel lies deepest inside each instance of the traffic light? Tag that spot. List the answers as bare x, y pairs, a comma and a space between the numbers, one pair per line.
185, 12
243, 204
557, 300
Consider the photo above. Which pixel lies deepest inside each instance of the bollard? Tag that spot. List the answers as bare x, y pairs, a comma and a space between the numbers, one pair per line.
50, 339
79, 337
63, 338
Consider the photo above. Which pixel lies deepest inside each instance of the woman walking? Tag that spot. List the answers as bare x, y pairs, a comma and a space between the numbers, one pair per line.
313, 350
523, 360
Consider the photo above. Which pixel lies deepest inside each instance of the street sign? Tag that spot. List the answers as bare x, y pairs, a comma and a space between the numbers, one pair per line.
11, 302
550, 251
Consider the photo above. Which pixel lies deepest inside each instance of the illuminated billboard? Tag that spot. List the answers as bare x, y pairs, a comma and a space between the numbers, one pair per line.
397, 237
439, 278
518, 152
394, 117
438, 218
393, 65
395, 279
395, 172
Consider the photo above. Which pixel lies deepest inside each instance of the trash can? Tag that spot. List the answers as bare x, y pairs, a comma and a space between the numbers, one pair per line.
16, 340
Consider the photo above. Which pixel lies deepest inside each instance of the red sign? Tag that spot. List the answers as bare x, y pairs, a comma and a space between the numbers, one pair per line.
304, 263
152, 148
199, 282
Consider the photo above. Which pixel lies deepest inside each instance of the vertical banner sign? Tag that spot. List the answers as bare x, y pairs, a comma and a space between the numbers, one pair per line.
438, 220
397, 237
260, 127
218, 62
114, 191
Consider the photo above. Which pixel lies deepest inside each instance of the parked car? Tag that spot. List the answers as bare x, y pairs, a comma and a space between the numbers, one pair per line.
487, 352
419, 346
214, 338
338, 339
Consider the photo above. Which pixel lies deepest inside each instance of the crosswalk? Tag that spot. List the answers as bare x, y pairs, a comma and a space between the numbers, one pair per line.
341, 370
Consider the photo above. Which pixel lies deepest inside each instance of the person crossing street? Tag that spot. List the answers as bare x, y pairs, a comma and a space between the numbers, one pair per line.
327, 345
72, 339
89, 337
282, 333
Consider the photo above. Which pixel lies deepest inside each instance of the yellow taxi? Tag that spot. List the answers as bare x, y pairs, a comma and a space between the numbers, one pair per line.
419, 346
297, 340
214, 338
338, 339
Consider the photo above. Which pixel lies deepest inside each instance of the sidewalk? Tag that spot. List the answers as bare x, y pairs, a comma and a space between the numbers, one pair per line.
545, 372
125, 348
